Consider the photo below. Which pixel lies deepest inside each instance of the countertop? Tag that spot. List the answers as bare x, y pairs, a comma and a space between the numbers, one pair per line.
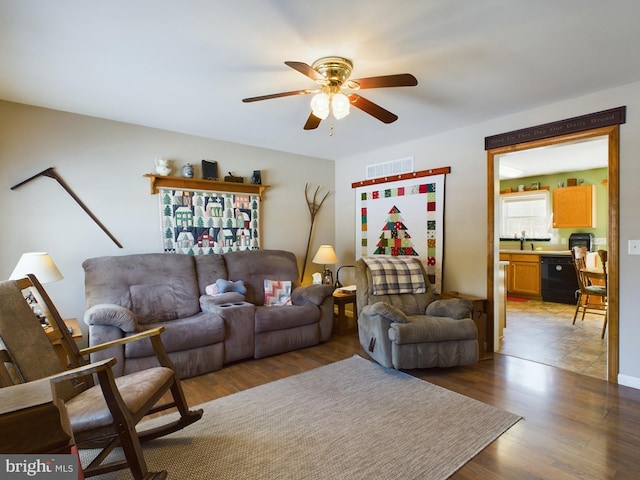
536, 252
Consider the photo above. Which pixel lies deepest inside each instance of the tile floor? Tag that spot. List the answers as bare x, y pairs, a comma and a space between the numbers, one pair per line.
542, 332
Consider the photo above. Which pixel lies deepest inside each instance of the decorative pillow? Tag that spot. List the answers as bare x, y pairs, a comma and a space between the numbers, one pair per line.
225, 286
277, 293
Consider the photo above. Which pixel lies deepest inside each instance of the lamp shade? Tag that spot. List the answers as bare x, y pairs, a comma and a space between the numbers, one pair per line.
320, 105
39, 264
325, 255
340, 105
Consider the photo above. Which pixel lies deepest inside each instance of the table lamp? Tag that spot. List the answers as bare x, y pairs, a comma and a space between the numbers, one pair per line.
326, 256
44, 268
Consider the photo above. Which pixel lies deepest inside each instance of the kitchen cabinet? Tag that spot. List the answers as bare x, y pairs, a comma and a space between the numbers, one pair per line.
523, 274
574, 207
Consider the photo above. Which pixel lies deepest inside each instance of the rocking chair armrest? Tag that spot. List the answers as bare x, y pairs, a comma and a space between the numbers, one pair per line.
152, 332
83, 371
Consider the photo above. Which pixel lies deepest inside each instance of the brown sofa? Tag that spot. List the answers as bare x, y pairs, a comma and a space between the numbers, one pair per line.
128, 293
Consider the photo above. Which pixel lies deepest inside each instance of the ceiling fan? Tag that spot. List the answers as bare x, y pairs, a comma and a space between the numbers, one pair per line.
332, 76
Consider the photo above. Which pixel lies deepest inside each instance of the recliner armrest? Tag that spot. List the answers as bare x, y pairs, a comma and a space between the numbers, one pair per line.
456, 308
315, 294
386, 311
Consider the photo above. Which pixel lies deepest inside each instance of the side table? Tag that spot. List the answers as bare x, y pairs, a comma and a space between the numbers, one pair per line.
340, 324
76, 334
479, 315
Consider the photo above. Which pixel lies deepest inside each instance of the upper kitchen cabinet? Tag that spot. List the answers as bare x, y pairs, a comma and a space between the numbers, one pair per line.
574, 207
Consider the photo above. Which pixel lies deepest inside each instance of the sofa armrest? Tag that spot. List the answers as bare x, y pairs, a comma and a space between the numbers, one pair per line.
315, 294
113, 316
456, 308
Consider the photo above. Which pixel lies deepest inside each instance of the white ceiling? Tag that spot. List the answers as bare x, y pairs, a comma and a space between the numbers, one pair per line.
559, 158
185, 65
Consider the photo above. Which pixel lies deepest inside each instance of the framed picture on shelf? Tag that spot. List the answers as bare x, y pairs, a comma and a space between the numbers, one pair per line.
535, 186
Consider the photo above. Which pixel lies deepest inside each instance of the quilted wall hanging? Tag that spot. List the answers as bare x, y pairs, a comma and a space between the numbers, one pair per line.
403, 216
206, 222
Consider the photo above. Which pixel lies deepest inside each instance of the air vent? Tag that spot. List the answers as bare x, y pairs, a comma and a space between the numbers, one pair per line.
394, 167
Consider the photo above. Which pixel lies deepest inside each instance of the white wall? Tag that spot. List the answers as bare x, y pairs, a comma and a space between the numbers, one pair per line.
103, 162
466, 200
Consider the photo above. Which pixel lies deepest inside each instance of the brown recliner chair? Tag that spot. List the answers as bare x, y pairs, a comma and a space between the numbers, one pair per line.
401, 325
103, 415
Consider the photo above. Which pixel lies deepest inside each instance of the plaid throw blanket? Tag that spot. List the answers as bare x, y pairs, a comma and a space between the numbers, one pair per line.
394, 275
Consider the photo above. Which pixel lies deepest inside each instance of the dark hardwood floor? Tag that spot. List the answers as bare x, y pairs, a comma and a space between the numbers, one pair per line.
573, 427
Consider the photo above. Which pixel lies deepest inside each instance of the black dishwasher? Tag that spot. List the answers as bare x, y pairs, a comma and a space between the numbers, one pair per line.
558, 279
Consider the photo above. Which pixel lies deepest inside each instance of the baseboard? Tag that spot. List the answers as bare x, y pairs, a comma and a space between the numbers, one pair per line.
629, 381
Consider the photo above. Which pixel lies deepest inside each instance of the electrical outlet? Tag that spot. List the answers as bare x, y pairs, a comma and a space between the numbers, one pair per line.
599, 241
634, 247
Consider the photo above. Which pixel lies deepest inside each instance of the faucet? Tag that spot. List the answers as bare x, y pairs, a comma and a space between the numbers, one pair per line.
522, 238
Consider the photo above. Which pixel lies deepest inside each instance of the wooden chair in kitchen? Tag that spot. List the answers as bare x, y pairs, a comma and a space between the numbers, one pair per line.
591, 296
102, 415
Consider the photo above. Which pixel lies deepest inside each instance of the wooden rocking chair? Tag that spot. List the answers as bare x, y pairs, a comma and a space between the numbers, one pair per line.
103, 415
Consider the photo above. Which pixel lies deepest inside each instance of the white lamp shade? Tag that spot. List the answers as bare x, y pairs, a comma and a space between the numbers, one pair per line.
320, 105
340, 105
39, 264
325, 255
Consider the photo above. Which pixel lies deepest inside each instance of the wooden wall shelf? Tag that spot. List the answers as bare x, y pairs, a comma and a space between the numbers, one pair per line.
162, 181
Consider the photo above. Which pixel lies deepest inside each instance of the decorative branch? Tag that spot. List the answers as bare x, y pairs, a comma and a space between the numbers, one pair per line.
51, 173
314, 208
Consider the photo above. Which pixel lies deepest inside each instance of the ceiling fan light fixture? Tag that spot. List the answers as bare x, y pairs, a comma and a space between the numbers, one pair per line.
340, 105
320, 106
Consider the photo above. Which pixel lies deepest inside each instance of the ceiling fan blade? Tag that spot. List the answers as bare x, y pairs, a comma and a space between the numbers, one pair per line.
399, 80
305, 69
372, 109
276, 95
312, 122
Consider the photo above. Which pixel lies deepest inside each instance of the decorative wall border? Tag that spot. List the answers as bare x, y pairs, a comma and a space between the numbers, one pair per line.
605, 118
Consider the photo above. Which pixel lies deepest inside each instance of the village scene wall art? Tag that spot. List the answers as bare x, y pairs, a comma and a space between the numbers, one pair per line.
207, 222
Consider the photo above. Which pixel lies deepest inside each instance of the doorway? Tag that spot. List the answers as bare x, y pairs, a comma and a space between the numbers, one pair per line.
611, 133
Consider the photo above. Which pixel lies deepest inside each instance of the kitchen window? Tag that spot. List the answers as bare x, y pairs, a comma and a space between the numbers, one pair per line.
528, 212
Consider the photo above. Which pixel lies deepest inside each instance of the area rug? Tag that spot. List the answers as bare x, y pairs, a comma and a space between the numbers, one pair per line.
348, 420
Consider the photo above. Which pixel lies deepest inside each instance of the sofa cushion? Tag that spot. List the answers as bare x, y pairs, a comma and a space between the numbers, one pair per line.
209, 268
256, 266
182, 334
109, 280
153, 303
269, 319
